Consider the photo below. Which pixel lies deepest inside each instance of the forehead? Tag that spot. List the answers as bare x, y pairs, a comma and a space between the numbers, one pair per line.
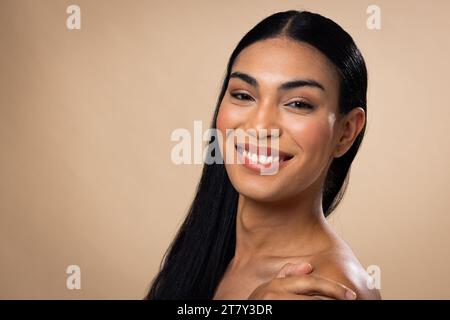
277, 60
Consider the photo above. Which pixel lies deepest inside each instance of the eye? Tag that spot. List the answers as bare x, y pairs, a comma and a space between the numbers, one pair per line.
301, 104
241, 96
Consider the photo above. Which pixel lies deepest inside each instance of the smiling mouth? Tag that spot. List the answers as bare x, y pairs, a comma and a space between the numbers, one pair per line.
262, 155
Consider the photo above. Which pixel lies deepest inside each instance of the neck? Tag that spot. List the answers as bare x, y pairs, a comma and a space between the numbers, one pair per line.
294, 227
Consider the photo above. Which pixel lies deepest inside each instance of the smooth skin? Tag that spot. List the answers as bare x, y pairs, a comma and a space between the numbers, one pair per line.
285, 248
297, 279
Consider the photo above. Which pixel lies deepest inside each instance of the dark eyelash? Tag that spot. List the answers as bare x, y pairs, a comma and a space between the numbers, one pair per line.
303, 104
235, 95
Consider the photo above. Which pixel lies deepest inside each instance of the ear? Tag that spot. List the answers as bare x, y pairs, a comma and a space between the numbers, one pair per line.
351, 125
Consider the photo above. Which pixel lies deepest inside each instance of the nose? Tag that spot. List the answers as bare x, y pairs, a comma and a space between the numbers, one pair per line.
263, 121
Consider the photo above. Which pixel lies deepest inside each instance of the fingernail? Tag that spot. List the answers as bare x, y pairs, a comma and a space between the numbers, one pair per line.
350, 295
309, 266
304, 267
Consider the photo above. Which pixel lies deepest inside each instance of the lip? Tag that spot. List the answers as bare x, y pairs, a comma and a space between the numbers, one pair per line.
264, 150
284, 157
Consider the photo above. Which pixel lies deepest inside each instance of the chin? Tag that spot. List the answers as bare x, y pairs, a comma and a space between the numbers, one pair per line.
264, 188
260, 191
260, 196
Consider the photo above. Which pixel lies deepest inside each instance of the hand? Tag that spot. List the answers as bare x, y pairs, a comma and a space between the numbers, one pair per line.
295, 282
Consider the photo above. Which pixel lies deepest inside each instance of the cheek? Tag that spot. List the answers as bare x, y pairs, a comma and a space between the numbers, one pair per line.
222, 119
312, 135
229, 117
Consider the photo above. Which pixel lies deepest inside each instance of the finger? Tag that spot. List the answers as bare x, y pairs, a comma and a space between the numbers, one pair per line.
294, 269
288, 296
285, 296
319, 297
302, 268
313, 284
283, 270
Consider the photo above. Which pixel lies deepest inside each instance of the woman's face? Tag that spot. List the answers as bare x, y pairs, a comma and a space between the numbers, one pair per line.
305, 115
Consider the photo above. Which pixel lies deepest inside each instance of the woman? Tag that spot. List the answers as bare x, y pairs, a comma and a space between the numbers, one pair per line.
299, 77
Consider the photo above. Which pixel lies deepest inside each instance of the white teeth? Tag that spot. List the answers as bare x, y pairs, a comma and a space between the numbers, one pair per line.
262, 159
254, 158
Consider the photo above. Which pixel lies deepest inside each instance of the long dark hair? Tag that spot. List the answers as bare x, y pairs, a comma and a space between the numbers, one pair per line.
204, 245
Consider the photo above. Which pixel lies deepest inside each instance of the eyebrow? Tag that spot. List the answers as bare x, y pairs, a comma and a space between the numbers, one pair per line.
284, 86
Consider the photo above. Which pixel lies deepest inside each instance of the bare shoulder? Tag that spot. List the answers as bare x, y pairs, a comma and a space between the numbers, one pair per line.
340, 264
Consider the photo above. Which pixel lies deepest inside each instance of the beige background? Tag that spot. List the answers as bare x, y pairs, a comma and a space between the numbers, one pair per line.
86, 118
